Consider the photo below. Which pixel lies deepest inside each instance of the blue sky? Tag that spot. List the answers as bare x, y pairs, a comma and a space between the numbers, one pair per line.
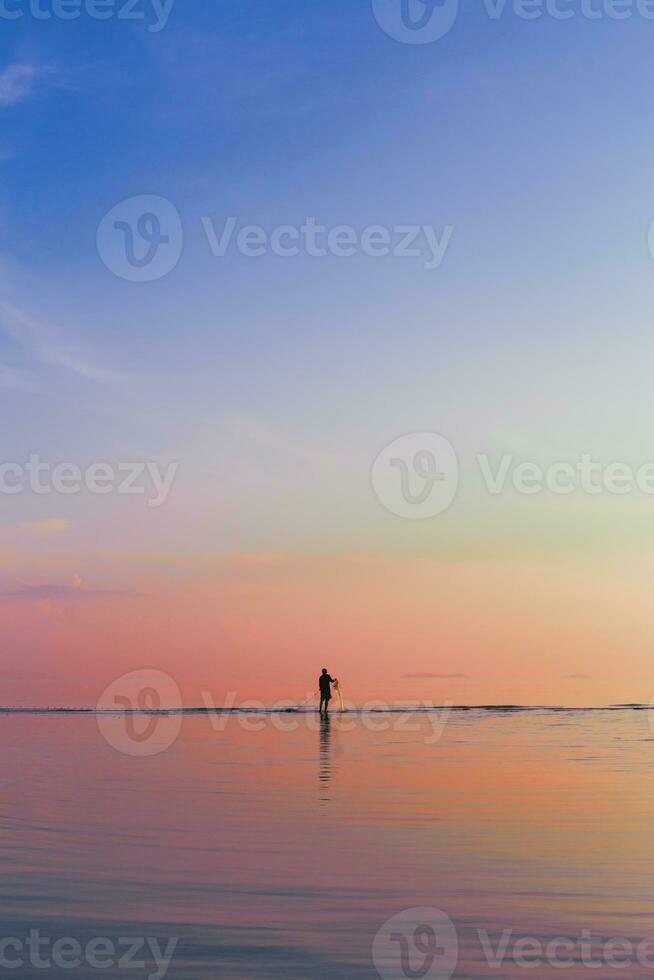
531, 138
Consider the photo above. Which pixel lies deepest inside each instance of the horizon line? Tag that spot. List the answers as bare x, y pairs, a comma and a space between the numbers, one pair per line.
309, 709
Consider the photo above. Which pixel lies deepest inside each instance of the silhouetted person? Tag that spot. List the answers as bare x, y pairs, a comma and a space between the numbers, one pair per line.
324, 683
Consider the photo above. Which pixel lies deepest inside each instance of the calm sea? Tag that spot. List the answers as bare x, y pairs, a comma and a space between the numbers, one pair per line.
486, 844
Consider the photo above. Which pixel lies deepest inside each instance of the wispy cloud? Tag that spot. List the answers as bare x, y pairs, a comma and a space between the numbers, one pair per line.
17, 82
42, 593
37, 336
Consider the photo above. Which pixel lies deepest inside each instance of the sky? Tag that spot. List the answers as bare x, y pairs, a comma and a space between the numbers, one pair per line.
249, 395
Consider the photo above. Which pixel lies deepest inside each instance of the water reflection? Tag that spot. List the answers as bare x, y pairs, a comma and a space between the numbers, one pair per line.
325, 755
281, 851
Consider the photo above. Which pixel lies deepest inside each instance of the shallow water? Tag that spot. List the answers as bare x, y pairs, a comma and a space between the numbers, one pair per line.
280, 846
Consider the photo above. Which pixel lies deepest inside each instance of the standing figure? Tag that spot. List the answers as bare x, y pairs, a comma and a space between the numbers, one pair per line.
324, 683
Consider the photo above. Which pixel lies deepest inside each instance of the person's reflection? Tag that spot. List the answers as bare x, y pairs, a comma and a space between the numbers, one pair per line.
325, 753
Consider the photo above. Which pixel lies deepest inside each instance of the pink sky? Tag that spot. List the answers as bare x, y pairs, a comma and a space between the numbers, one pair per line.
262, 626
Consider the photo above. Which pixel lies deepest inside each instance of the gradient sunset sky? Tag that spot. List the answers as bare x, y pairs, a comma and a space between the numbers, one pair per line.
275, 382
